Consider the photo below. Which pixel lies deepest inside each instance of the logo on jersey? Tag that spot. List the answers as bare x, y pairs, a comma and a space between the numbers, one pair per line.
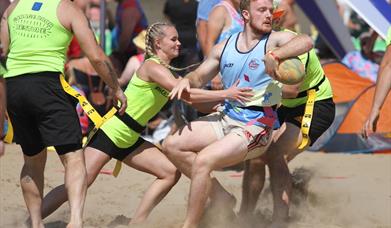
266, 97
162, 91
228, 65
254, 64
37, 6
246, 77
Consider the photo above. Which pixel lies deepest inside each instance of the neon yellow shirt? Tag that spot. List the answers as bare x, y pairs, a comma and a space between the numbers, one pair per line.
145, 100
38, 41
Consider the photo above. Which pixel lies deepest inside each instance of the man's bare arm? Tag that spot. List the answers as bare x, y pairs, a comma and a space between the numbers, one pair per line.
79, 25
74, 19
383, 84
208, 69
4, 33
2, 104
287, 44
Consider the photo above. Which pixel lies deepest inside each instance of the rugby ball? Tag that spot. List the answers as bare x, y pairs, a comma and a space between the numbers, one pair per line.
290, 71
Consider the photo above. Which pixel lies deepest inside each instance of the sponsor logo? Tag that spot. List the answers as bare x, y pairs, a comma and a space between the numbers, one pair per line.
266, 97
33, 26
254, 64
246, 77
228, 65
162, 91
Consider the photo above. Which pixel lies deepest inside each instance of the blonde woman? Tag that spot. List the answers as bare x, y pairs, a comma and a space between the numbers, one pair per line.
119, 137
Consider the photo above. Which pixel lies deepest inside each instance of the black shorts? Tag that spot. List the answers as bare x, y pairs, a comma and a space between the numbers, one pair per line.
102, 142
42, 113
322, 118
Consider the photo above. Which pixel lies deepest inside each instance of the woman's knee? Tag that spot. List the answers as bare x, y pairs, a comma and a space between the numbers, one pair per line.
171, 174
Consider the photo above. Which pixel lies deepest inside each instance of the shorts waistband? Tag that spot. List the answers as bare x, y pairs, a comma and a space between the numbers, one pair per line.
130, 122
259, 108
316, 87
45, 74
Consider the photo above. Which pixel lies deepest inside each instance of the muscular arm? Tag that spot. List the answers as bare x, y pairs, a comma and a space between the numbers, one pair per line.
383, 84
284, 45
4, 33
290, 91
153, 72
76, 21
287, 44
209, 96
208, 69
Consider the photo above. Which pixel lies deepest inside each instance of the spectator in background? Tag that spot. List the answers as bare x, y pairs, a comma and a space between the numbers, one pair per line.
203, 10
362, 61
135, 61
357, 25
130, 20
182, 14
289, 18
383, 86
225, 20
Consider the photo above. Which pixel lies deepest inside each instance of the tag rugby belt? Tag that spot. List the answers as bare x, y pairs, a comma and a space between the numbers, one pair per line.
308, 112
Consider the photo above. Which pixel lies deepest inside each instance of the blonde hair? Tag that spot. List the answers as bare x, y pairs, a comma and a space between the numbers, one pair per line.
155, 31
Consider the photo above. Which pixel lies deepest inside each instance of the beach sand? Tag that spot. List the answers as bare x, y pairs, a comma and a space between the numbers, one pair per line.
336, 191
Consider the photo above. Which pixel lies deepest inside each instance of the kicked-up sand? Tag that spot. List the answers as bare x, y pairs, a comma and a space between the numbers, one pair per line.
331, 191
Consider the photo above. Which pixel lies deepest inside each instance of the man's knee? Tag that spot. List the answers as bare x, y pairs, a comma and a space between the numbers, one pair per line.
170, 145
73, 159
256, 163
202, 164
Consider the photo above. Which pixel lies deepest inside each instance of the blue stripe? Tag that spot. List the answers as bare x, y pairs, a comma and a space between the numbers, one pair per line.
312, 10
383, 7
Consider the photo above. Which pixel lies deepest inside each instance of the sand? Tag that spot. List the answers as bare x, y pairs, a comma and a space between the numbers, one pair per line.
337, 191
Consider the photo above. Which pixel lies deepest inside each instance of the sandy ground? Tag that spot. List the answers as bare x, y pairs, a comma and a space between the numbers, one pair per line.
340, 190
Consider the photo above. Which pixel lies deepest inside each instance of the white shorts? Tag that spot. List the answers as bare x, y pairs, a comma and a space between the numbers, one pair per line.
256, 138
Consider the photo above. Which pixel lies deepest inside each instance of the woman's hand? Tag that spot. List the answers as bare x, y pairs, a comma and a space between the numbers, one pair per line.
182, 86
241, 95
